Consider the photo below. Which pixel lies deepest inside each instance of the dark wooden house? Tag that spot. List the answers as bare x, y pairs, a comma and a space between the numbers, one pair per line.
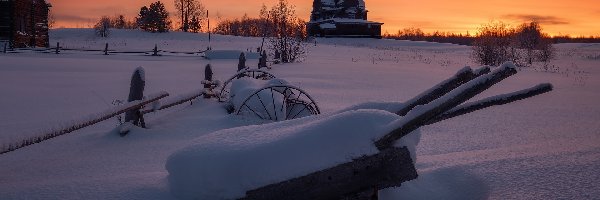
342, 18
24, 23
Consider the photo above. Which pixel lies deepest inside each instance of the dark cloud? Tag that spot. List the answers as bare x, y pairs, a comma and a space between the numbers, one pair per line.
549, 20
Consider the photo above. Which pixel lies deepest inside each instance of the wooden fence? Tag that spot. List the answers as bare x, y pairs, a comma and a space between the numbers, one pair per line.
154, 51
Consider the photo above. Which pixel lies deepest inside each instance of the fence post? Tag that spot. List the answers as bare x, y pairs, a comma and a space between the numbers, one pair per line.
208, 83
136, 92
57, 47
241, 62
5, 47
106, 49
262, 62
155, 50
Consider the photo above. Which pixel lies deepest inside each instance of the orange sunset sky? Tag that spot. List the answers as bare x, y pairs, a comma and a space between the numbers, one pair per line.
573, 17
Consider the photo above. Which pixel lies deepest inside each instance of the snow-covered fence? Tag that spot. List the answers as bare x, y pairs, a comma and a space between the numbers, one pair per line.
105, 50
82, 123
133, 109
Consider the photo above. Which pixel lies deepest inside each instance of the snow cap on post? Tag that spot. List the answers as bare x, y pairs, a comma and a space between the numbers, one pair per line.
136, 92
242, 62
208, 73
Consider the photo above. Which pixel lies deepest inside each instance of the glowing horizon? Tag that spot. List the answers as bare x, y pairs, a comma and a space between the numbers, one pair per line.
559, 17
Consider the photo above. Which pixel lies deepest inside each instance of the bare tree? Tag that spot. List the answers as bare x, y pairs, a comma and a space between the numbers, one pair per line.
119, 22
51, 19
289, 32
492, 45
103, 26
497, 42
187, 10
529, 36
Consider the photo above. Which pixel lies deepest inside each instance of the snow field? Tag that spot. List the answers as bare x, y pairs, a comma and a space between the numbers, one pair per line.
546, 147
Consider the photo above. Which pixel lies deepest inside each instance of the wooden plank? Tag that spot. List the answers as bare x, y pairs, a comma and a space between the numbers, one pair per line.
462, 76
493, 101
181, 100
440, 106
136, 92
389, 168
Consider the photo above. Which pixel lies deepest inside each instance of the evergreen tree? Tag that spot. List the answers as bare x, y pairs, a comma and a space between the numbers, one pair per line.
155, 18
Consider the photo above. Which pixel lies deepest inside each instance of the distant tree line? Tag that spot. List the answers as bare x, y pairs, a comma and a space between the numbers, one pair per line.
579, 39
246, 26
155, 18
497, 42
416, 34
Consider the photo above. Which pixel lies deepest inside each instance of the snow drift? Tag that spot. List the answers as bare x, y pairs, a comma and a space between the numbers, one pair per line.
225, 164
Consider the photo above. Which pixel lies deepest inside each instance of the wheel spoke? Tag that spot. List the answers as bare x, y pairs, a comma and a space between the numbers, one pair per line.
263, 104
274, 110
253, 111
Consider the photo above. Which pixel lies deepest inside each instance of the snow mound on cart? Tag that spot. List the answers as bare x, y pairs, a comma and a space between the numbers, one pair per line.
227, 163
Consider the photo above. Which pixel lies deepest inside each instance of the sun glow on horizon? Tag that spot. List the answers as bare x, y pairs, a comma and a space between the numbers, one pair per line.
560, 17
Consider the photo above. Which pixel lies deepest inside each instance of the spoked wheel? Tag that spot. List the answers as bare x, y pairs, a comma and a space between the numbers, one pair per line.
278, 103
223, 94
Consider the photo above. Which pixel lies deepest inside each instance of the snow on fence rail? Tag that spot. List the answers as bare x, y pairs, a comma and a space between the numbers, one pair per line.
133, 109
82, 123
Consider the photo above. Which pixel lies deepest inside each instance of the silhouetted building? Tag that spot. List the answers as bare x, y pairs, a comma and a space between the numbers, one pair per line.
24, 23
342, 18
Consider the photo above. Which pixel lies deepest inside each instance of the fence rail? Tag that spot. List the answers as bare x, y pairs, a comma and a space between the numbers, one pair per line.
105, 51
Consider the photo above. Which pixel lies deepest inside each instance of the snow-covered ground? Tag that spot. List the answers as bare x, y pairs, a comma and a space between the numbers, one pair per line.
546, 147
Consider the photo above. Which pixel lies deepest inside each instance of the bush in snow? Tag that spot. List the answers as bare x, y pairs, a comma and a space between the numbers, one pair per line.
497, 42
289, 32
493, 44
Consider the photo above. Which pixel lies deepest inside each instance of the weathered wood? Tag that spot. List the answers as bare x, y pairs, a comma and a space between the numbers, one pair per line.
241, 62
442, 105
155, 50
76, 126
182, 100
136, 92
442, 88
208, 73
493, 101
262, 62
388, 168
